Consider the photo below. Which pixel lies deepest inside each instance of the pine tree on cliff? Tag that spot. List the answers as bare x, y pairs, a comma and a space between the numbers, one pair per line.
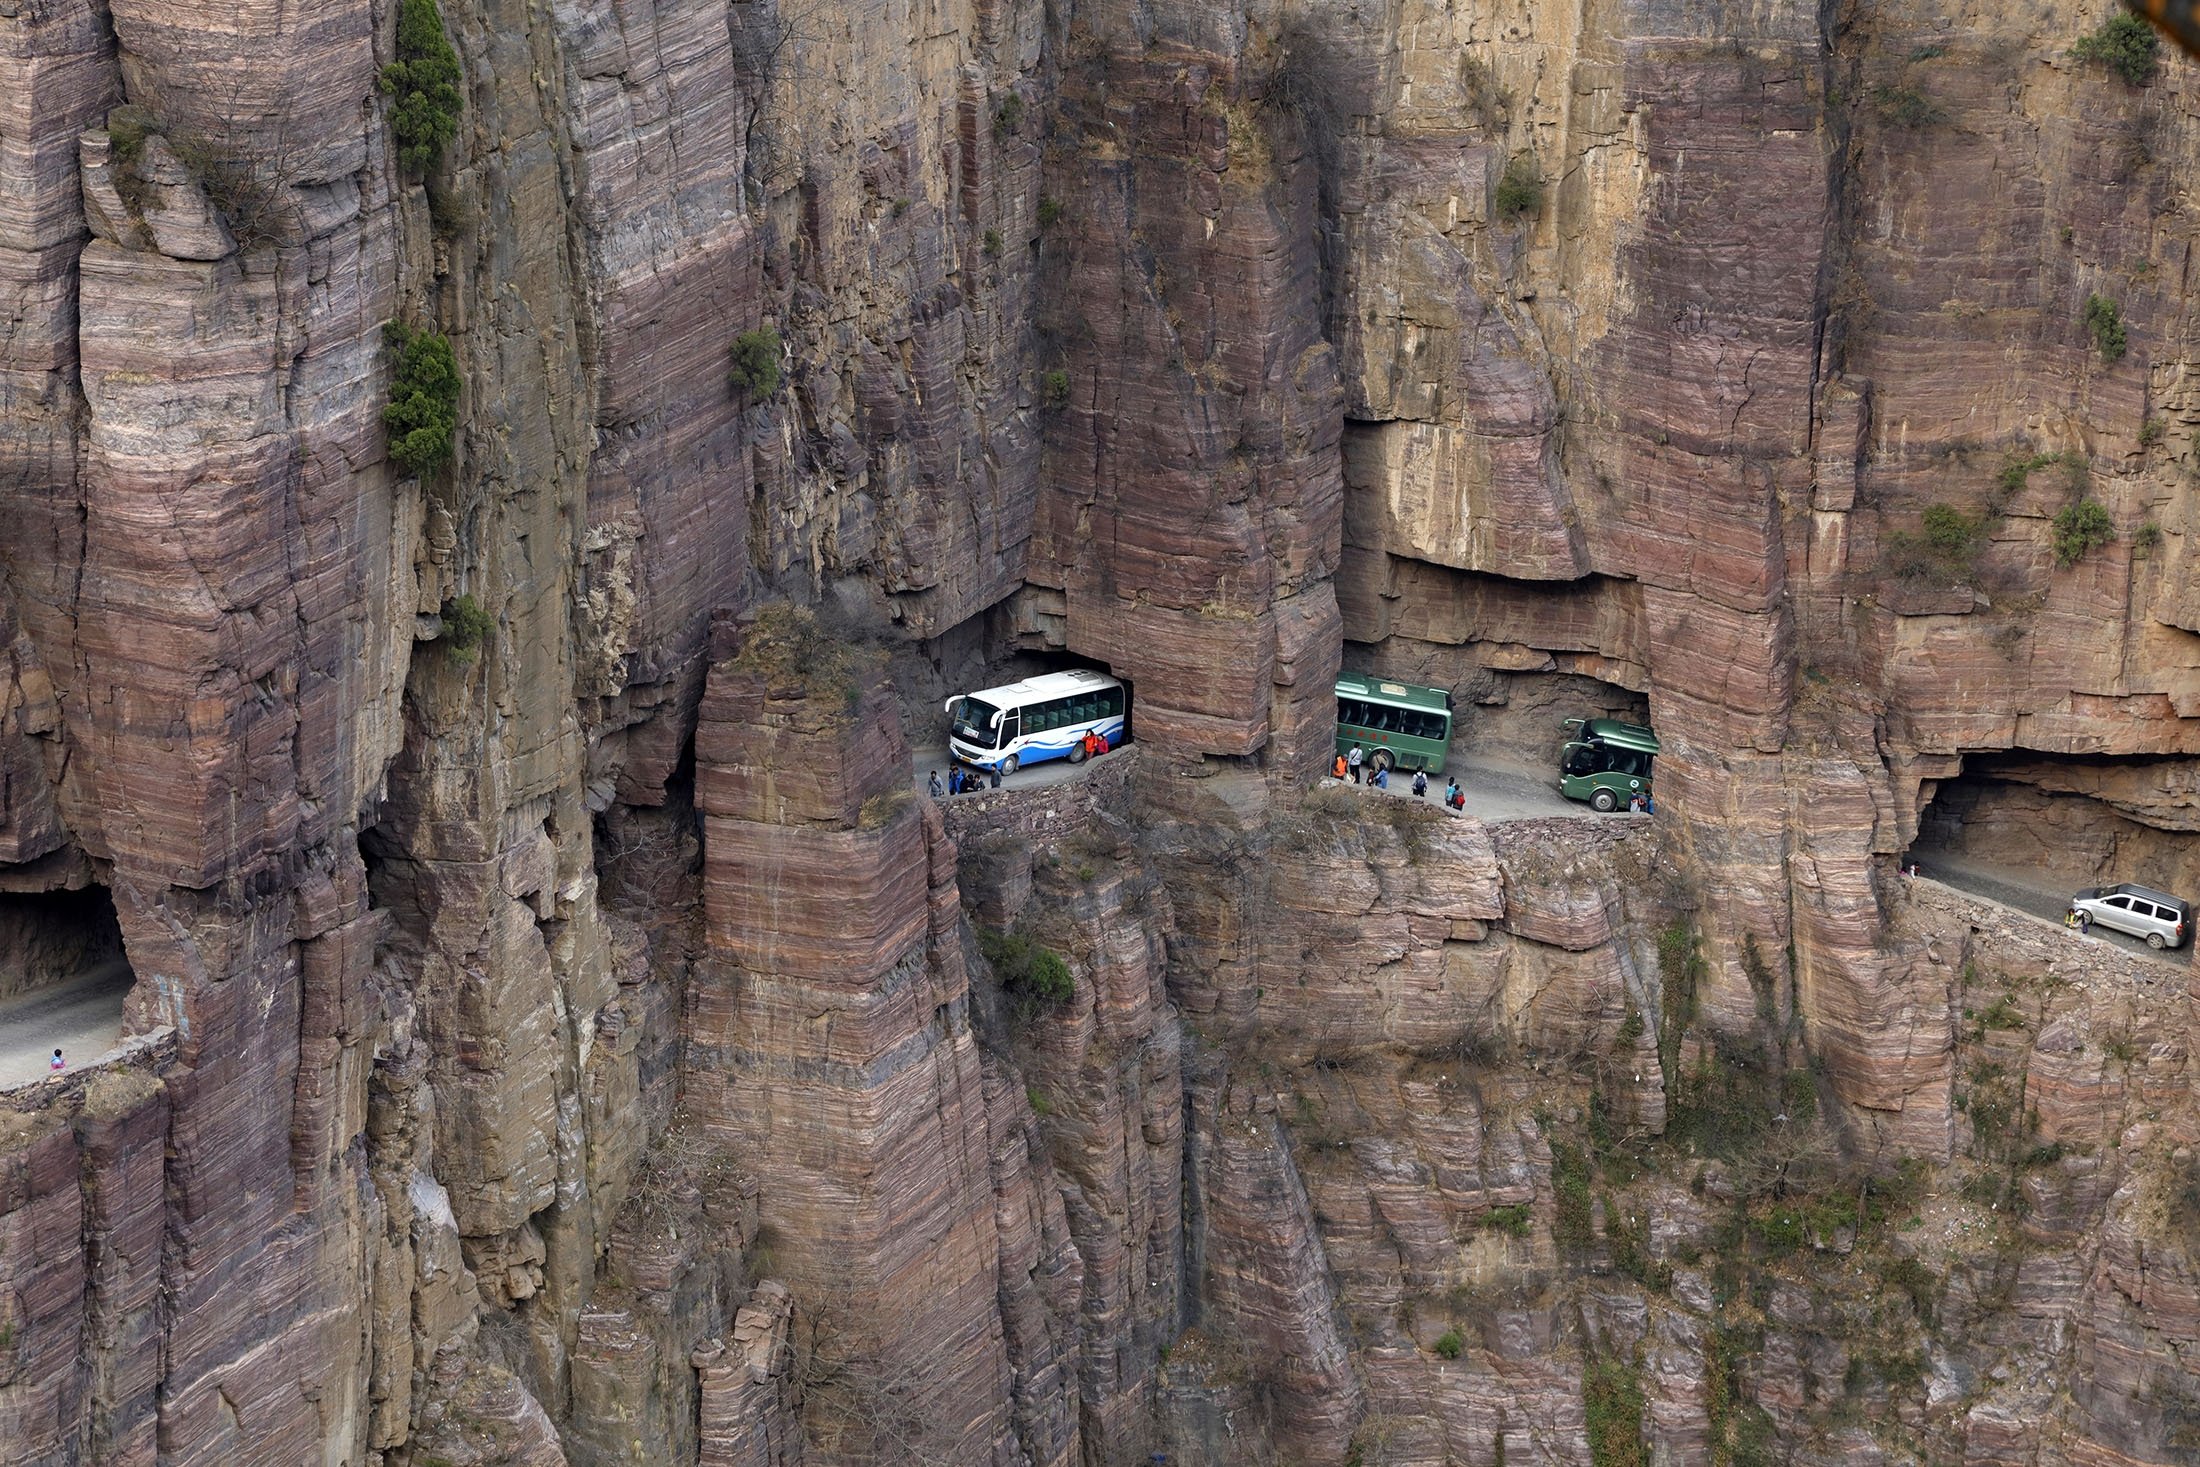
422, 415
424, 79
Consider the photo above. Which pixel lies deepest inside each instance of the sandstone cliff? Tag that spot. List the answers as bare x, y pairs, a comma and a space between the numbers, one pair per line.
559, 1035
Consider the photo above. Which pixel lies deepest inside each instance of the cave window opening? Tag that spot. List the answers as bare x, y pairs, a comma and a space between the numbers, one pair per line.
2030, 830
64, 980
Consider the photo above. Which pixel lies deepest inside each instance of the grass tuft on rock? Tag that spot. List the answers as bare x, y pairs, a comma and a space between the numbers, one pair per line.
1611, 1399
798, 657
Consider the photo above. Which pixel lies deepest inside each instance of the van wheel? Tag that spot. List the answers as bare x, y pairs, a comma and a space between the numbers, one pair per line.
1604, 800
1008, 766
1077, 752
2156, 941
1384, 760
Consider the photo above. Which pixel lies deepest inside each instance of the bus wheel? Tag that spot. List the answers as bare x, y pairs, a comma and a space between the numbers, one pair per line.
1008, 766
1077, 752
1384, 760
1604, 800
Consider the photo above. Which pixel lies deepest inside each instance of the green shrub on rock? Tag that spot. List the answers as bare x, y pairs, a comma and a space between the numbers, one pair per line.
1030, 972
755, 371
2106, 322
422, 415
1612, 1402
424, 81
2080, 527
465, 623
1520, 191
2127, 45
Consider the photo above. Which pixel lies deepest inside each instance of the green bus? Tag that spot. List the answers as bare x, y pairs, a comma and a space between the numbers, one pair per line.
1396, 725
1605, 761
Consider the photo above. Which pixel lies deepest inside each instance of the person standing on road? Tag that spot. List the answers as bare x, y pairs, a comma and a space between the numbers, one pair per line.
955, 780
937, 788
996, 772
1352, 762
1336, 770
1420, 784
58, 1062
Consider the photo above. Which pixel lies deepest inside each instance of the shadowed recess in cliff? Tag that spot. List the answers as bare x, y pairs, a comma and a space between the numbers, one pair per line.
63, 980
2070, 820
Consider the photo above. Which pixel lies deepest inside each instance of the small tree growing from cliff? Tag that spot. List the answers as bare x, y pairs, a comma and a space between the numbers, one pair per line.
2106, 322
2079, 528
424, 82
2125, 44
422, 415
755, 370
1030, 972
466, 623
1520, 191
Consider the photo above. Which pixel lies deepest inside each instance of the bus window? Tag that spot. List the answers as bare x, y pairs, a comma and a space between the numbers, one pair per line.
1407, 731
974, 722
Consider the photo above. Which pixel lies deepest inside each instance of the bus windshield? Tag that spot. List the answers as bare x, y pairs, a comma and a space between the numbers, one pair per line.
976, 722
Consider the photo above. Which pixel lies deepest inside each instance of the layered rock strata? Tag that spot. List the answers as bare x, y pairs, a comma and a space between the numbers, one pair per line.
485, 1105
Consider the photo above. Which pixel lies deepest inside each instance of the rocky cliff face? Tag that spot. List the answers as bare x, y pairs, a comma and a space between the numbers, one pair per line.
570, 1041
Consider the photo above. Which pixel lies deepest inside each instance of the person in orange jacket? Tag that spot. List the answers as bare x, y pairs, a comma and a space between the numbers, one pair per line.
1336, 770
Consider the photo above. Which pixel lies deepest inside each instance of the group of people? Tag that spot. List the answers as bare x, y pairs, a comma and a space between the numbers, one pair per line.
961, 779
1349, 764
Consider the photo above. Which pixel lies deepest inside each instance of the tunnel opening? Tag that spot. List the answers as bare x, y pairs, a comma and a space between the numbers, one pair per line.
64, 977
2047, 825
1501, 716
1010, 642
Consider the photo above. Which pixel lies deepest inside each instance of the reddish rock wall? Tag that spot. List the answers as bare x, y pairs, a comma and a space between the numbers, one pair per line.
441, 951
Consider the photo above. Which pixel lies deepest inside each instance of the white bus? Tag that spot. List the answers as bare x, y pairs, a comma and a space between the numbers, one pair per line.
1040, 718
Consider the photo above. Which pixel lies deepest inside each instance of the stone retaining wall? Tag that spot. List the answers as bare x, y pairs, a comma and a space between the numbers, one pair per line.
2021, 940
152, 1051
1046, 812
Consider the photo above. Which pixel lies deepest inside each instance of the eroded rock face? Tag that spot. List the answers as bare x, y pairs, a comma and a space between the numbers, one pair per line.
830, 1045
576, 1045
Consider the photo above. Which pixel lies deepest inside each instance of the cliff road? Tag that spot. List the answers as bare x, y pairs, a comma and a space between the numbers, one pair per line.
494, 498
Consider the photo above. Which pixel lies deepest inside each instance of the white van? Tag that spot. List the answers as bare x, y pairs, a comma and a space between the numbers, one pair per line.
1040, 718
2141, 911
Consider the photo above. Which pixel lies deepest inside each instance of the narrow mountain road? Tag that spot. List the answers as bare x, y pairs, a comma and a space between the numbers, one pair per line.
2025, 892
1499, 791
82, 1016
923, 762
